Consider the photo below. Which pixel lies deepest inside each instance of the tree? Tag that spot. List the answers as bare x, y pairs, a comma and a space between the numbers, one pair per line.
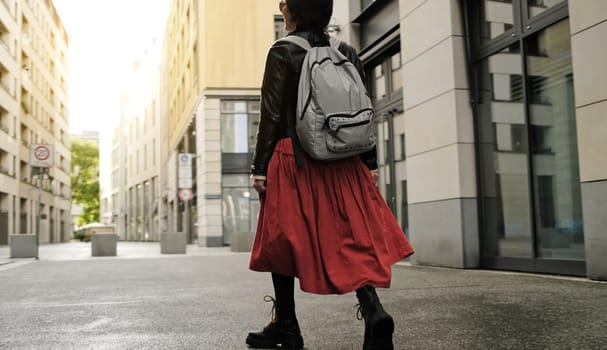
85, 179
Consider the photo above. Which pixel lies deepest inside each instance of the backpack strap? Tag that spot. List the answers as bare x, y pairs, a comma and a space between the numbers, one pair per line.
297, 40
297, 149
335, 43
304, 44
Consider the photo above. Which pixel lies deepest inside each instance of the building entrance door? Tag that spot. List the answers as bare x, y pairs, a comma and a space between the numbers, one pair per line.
3, 228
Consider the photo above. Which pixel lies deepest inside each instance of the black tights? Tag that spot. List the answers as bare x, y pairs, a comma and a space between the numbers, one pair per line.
284, 292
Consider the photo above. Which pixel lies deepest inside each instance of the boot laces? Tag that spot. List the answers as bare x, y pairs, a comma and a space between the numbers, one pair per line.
270, 299
360, 312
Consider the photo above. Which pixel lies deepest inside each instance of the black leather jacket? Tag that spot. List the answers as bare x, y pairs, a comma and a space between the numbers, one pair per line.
279, 97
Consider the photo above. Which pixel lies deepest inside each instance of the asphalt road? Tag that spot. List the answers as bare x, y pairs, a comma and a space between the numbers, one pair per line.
211, 300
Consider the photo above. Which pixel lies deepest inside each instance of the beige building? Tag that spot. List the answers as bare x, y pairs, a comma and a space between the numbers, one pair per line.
214, 65
33, 110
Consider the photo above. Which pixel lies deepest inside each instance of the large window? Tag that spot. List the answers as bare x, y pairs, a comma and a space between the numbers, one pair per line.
365, 3
239, 121
528, 161
384, 78
279, 27
240, 205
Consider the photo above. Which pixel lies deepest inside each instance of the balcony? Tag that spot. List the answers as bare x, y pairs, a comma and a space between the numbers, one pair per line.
5, 171
7, 88
7, 47
7, 5
5, 129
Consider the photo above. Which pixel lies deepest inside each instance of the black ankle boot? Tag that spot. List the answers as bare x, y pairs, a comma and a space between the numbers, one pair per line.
379, 325
280, 333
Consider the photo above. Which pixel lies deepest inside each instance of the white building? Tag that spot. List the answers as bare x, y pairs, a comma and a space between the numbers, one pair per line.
131, 164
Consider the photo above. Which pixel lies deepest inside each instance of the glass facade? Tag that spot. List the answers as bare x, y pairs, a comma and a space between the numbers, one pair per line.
385, 87
554, 144
505, 163
240, 205
527, 143
366, 3
537, 7
496, 19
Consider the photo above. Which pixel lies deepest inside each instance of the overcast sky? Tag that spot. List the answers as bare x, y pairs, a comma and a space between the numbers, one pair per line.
105, 37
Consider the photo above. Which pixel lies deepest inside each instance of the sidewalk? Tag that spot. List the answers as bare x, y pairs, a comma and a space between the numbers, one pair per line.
125, 250
208, 299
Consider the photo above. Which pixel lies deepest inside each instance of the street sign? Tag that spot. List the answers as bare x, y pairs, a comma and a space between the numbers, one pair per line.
185, 159
185, 182
41, 155
185, 171
185, 194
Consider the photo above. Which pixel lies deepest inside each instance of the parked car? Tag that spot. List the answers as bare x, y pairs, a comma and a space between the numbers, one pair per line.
85, 231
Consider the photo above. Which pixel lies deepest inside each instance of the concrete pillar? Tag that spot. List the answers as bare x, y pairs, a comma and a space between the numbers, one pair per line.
441, 173
588, 21
208, 180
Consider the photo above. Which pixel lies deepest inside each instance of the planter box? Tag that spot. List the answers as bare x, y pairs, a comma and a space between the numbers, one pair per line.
241, 242
104, 244
173, 243
23, 246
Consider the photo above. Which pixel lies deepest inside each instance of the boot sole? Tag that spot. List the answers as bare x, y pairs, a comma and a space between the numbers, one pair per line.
283, 343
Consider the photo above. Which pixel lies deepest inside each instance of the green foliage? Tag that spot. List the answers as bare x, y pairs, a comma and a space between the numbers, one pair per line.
85, 179
79, 235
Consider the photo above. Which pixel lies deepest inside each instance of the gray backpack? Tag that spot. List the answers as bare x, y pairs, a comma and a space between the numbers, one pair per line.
334, 112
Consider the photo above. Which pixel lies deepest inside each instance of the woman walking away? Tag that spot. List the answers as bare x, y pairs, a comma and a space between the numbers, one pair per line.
323, 222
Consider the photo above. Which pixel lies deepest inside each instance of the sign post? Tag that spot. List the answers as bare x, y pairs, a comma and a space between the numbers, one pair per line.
41, 159
184, 192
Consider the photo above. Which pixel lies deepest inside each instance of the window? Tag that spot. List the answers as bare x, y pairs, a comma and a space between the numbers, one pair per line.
403, 155
396, 70
234, 138
385, 78
404, 207
530, 181
365, 3
239, 122
537, 7
279, 27
379, 81
496, 17
240, 205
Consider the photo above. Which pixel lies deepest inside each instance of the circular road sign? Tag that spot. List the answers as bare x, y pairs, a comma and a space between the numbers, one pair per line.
42, 152
185, 194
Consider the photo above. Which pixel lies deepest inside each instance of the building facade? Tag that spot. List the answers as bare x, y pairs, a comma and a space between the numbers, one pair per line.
491, 128
33, 110
213, 69
133, 166
490, 124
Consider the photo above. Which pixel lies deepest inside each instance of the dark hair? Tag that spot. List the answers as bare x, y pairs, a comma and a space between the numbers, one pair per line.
312, 15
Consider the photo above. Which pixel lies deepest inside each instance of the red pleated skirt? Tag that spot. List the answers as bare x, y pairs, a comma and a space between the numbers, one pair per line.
326, 224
